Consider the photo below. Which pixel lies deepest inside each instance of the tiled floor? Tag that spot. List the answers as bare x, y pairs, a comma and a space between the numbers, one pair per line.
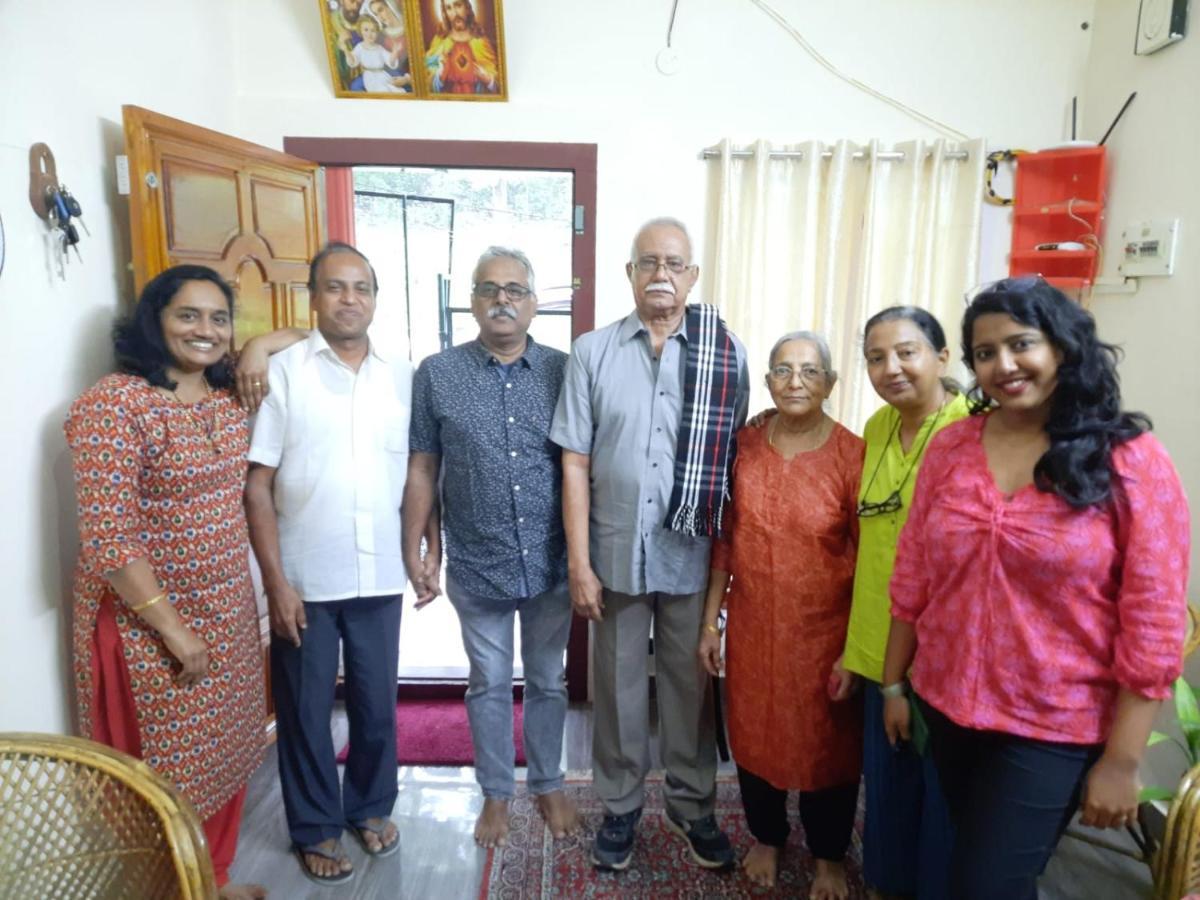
438, 859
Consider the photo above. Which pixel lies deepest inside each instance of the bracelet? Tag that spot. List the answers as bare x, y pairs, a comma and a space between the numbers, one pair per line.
713, 629
893, 690
148, 603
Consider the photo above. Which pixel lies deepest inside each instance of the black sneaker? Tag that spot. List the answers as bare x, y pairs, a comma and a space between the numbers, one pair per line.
614, 841
708, 843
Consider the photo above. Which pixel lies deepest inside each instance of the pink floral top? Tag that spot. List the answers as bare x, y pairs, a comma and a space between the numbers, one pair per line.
1031, 615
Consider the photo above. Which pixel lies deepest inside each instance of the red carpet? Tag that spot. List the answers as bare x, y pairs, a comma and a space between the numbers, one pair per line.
533, 865
436, 733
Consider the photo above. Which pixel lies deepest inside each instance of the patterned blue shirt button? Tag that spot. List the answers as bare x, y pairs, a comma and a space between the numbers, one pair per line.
516, 487
512, 452
511, 420
521, 520
509, 385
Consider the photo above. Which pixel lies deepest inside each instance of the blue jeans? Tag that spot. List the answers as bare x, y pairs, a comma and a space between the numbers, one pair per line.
907, 835
487, 632
1010, 798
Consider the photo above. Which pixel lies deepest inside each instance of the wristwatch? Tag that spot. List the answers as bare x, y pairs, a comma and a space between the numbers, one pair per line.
899, 689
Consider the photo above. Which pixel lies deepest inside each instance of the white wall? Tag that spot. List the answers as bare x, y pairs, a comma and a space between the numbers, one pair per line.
1152, 175
57, 332
585, 72
578, 71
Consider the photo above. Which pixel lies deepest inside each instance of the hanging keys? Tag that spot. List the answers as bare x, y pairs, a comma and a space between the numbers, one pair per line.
74, 208
70, 238
62, 208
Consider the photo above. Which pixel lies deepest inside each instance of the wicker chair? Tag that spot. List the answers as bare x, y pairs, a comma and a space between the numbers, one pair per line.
1176, 864
78, 819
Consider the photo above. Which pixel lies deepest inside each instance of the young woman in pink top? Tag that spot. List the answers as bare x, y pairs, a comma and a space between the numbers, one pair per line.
1039, 592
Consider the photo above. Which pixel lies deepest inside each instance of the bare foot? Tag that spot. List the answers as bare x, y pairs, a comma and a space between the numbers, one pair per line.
830, 882
327, 868
761, 863
491, 828
384, 836
559, 812
242, 892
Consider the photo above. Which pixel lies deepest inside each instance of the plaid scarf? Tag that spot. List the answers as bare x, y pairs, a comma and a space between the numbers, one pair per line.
704, 445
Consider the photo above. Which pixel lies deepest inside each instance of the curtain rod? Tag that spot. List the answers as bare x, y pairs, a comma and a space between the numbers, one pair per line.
883, 156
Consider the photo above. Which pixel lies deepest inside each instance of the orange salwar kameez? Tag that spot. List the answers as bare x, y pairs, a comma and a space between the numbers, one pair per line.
789, 543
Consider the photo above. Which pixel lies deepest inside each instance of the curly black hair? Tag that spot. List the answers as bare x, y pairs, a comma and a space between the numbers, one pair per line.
138, 339
1086, 420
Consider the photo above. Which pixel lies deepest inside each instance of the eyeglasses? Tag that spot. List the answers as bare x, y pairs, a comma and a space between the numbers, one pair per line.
647, 265
809, 374
889, 504
489, 290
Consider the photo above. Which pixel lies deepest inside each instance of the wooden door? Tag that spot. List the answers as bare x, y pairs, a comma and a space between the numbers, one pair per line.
249, 212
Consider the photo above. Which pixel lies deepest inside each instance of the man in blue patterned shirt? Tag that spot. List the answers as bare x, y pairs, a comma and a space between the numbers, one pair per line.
480, 425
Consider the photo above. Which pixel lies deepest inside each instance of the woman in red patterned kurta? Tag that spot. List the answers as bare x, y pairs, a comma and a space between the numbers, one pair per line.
789, 545
1041, 585
167, 660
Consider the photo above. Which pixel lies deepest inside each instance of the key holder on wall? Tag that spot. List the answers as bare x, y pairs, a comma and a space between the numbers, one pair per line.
43, 180
54, 205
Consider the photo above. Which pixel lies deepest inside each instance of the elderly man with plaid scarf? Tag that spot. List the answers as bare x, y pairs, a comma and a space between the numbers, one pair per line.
647, 416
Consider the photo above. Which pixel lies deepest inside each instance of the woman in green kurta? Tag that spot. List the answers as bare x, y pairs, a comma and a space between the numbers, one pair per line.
906, 842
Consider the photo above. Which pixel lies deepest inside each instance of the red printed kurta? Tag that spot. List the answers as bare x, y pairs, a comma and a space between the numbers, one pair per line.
790, 545
150, 482
1031, 615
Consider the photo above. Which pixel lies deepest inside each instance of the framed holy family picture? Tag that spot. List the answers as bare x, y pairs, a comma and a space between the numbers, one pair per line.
425, 49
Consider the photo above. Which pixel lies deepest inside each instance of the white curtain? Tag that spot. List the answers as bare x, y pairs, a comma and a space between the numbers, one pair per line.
822, 244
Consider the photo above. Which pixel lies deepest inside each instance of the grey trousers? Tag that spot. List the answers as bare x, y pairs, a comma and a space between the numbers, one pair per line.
621, 684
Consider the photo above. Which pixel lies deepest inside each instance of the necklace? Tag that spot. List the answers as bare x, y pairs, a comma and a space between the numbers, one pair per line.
208, 423
813, 444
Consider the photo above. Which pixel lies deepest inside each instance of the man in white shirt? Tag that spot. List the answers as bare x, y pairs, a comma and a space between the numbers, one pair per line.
328, 462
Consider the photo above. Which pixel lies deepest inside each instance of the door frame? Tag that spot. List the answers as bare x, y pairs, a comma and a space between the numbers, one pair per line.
580, 160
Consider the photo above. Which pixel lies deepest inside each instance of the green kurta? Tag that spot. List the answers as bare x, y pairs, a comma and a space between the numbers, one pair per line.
885, 467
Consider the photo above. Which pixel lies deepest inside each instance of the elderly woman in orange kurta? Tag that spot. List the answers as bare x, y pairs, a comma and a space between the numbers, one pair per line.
784, 569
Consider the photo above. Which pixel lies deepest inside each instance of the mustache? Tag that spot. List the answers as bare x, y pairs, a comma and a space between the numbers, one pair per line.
497, 311
661, 286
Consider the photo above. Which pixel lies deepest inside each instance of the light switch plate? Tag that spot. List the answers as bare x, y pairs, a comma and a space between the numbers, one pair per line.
1149, 248
122, 174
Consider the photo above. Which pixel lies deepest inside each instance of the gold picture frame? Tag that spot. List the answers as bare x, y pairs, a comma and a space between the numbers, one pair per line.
416, 49
368, 43
462, 44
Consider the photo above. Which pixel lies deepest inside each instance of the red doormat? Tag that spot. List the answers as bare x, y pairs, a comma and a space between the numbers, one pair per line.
436, 733
533, 865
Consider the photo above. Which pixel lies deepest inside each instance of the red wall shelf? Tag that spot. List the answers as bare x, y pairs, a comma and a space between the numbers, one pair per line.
1059, 196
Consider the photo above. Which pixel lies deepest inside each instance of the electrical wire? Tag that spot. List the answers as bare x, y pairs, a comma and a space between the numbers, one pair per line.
671, 25
850, 79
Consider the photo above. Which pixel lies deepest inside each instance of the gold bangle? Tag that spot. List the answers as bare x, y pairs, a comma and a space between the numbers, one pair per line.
712, 629
148, 603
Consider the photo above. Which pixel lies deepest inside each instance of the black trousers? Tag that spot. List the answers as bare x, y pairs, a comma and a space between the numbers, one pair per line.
827, 815
1010, 799
303, 680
